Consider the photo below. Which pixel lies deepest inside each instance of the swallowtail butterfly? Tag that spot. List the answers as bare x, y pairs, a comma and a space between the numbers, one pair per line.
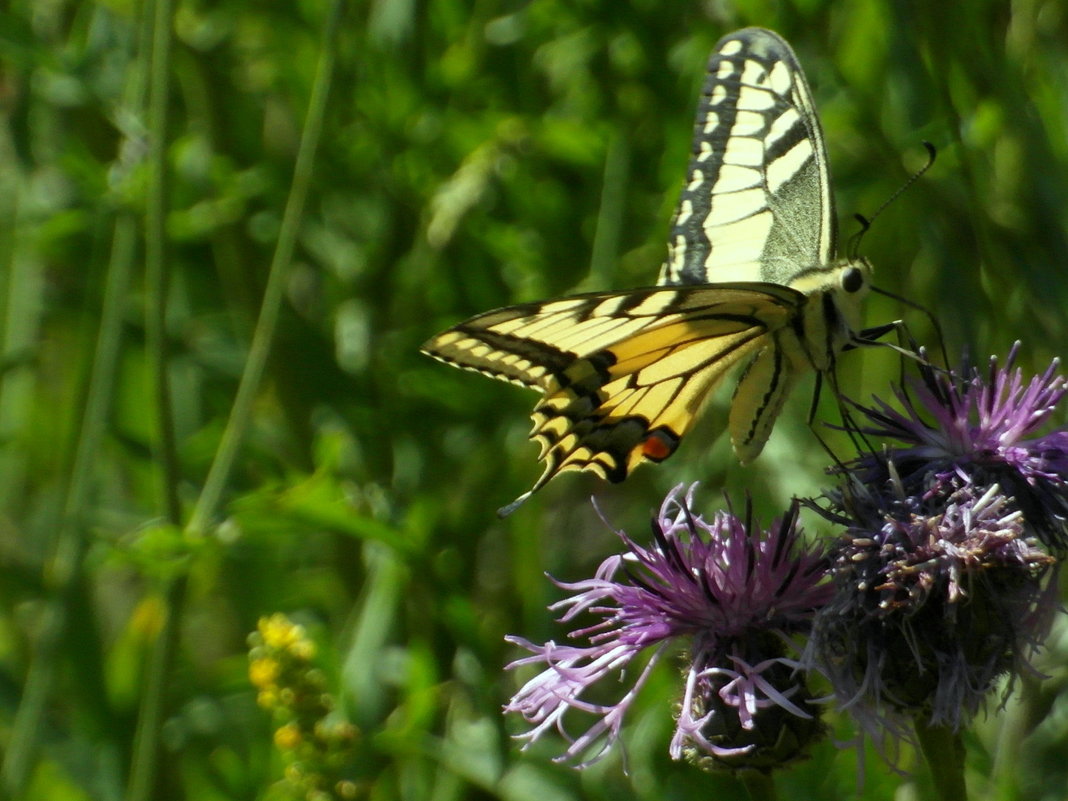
750, 278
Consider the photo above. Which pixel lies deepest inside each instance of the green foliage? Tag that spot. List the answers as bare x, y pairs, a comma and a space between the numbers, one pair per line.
471, 156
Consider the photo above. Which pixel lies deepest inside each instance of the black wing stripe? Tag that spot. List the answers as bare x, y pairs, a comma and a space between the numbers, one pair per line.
788, 139
769, 394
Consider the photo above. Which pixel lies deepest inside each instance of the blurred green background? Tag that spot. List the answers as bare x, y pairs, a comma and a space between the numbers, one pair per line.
473, 155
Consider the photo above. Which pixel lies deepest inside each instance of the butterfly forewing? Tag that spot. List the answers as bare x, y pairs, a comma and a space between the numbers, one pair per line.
757, 204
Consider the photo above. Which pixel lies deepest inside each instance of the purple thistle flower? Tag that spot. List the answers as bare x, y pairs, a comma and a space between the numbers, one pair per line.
936, 598
968, 428
736, 593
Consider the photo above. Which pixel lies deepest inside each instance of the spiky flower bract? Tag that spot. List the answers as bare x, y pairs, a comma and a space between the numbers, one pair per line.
932, 606
734, 594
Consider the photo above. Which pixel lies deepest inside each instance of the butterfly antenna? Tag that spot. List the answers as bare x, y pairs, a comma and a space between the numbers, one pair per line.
866, 222
854, 241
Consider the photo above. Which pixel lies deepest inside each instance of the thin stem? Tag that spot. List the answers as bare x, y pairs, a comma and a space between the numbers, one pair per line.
241, 413
759, 785
943, 750
156, 255
1018, 719
143, 766
605, 254
63, 570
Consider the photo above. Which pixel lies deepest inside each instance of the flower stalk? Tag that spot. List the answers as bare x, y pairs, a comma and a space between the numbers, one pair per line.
943, 750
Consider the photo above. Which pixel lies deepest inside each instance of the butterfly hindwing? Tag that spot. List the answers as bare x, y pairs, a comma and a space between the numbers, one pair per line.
623, 374
759, 397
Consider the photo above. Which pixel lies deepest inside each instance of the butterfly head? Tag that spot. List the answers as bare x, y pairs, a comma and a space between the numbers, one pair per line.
845, 282
850, 282
853, 279
846, 279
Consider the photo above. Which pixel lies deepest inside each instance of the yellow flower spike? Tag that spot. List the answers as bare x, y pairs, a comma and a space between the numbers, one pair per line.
288, 737
278, 631
294, 773
346, 789
343, 730
303, 649
263, 672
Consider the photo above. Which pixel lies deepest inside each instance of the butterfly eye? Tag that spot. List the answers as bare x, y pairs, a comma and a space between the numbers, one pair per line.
852, 280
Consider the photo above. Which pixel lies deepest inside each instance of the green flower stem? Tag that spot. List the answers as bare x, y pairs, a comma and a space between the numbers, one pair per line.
1017, 721
759, 785
156, 256
944, 752
605, 256
241, 413
63, 570
145, 750
151, 713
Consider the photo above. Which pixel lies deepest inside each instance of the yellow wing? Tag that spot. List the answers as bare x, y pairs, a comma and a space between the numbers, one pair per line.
623, 374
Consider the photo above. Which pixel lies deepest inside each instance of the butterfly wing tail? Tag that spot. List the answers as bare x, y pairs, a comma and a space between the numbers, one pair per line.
507, 509
608, 447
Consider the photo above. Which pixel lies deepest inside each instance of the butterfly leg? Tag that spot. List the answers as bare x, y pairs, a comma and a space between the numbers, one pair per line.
920, 308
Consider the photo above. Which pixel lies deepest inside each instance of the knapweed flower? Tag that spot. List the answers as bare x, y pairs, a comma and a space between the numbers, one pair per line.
969, 428
932, 606
737, 595
941, 577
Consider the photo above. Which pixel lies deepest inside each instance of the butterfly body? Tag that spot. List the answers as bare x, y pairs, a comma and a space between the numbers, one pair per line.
749, 279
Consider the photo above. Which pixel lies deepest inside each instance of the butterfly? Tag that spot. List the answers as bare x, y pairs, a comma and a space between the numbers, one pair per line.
750, 278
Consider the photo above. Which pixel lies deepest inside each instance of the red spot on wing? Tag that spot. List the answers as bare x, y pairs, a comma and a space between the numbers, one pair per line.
659, 444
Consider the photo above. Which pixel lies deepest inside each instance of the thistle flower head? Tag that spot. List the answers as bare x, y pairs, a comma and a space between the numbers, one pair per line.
959, 428
936, 598
734, 593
